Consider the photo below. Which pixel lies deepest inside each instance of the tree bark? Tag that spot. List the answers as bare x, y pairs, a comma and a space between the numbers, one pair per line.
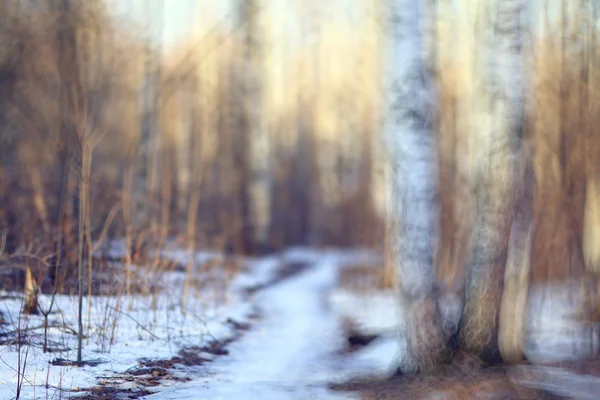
511, 334
414, 209
258, 189
497, 108
31, 293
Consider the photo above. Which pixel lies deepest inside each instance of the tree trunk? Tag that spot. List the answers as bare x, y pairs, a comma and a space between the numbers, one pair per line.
591, 234
151, 122
258, 189
414, 209
31, 293
497, 110
511, 333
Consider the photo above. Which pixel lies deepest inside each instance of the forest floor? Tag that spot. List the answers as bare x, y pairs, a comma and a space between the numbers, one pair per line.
302, 324
275, 329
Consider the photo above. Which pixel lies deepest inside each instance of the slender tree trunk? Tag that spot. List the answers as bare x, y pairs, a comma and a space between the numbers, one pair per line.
497, 111
258, 190
31, 293
64, 196
511, 335
84, 184
196, 165
127, 201
414, 209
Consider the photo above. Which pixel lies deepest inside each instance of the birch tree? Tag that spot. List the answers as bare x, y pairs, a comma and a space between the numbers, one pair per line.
258, 189
497, 108
414, 209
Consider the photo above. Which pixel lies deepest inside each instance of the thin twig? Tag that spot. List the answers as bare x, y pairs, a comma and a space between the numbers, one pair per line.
66, 329
140, 325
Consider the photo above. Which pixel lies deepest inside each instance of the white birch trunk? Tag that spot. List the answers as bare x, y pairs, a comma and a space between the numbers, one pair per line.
497, 110
414, 209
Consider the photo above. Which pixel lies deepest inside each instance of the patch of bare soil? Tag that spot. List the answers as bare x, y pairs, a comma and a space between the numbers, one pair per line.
355, 338
69, 363
357, 341
465, 379
189, 356
102, 392
151, 373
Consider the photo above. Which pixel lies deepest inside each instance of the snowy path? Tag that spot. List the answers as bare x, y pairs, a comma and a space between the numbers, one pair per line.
288, 354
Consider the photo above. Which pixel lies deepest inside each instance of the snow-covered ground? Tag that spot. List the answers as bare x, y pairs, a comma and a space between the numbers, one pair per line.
290, 353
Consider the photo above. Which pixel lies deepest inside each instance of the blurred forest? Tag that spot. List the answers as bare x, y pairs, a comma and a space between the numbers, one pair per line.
240, 138
107, 134
219, 142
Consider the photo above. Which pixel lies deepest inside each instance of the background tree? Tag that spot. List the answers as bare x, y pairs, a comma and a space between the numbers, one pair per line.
257, 183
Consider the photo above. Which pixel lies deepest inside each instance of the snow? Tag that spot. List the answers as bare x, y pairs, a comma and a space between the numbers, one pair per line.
372, 312
291, 352
559, 381
122, 330
553, 331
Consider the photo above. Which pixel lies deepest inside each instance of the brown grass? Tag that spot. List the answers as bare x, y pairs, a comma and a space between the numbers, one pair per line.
464, 379
363, 278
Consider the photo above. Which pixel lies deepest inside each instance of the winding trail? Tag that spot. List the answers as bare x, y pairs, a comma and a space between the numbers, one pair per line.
289, 354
